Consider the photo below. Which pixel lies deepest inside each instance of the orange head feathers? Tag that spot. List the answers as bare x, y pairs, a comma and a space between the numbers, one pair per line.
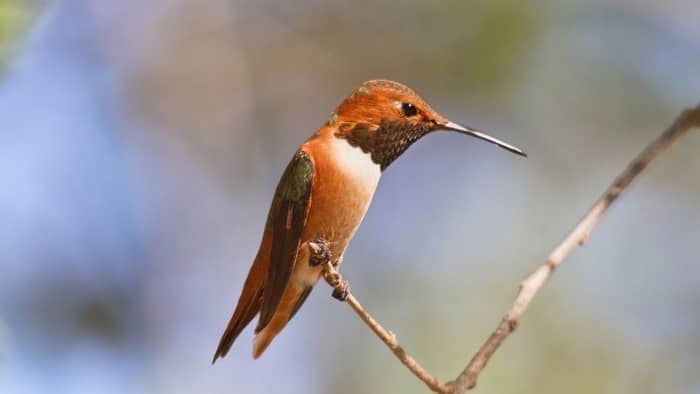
384, 118
379, 100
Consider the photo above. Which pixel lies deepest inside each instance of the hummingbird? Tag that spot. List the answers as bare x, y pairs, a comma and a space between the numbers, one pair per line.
324, 193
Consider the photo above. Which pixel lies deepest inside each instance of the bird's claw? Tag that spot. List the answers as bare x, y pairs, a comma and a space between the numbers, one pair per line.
341, 287
321, 255
342, 290
320, 252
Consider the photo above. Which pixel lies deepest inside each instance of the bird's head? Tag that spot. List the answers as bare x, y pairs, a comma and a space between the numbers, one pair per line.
384, 118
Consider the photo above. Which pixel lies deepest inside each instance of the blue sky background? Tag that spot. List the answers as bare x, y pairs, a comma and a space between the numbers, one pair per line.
141, 144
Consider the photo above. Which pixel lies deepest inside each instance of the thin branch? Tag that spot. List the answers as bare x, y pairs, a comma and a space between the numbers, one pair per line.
533, 283
333, 278
578, 236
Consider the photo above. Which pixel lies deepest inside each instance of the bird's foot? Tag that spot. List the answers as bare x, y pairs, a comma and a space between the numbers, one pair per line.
321, 255
320, 252
341, 287
342, 291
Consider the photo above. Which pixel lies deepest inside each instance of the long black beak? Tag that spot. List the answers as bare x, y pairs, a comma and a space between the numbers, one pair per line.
478, 134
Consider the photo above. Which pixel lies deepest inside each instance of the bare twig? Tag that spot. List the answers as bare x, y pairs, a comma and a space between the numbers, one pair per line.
333, 278
533, 283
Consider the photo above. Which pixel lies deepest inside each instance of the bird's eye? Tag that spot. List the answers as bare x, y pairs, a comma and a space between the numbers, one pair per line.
408, 110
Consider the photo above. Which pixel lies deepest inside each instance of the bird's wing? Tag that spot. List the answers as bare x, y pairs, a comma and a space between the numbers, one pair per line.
288, 214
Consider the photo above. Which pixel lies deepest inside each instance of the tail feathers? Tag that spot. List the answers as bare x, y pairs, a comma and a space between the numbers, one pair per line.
261, 342
248, 306
263, 339
282, 316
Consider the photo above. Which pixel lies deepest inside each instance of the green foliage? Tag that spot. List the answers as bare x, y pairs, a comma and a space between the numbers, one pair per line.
487, 40
15, 17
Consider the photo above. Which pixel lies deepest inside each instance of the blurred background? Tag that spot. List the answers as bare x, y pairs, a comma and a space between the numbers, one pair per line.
142, 141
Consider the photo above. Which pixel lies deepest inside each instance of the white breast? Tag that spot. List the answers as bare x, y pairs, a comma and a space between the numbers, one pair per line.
357, 164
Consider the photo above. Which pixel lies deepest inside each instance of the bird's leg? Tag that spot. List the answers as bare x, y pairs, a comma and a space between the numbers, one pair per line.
320, 254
